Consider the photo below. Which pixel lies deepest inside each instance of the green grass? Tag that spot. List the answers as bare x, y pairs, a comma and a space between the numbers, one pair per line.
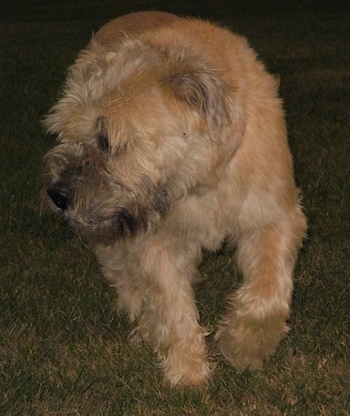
63, 348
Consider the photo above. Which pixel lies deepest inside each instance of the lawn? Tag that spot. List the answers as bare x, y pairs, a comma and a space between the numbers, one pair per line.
63, 348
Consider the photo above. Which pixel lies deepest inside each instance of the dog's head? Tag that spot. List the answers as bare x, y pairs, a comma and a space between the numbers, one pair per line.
138, 129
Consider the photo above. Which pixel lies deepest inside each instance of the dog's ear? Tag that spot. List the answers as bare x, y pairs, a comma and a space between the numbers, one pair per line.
205, 91
202, 89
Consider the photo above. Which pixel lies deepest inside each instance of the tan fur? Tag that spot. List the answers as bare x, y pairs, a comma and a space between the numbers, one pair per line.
172, 139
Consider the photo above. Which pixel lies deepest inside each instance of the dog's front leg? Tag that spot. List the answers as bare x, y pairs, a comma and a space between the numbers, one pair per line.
169, 321
255, 321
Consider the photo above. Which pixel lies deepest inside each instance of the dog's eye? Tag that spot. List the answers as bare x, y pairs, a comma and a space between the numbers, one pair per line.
103, 143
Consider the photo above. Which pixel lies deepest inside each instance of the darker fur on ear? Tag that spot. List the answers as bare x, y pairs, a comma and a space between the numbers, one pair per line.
202, 89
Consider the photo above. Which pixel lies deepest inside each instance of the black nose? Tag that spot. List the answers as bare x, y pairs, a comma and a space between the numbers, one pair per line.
60, 196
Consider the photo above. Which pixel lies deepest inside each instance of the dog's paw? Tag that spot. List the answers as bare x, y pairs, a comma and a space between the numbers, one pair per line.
188, 371
246, 345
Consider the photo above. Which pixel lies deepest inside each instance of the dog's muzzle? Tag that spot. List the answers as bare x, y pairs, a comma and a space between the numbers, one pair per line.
60, 196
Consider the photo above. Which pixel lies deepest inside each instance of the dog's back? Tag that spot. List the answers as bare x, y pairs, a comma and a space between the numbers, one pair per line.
132, 24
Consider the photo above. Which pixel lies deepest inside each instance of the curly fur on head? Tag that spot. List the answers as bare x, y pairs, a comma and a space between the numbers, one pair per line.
125, 122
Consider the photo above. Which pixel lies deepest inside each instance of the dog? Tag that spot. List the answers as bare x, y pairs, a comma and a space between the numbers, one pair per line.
172, 139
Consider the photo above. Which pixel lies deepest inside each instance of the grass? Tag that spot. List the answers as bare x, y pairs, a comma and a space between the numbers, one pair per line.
63, 348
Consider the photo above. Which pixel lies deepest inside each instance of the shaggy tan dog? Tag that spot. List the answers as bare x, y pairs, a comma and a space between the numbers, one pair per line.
171, 138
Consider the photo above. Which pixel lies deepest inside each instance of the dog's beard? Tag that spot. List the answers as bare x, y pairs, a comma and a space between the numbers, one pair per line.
99, 208
122, 224
104, 220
